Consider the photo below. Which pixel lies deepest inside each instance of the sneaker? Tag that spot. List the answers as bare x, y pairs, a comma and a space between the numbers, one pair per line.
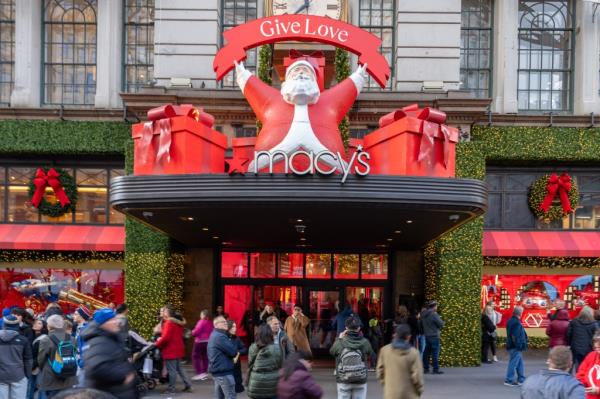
438, 372
372, 369
169, 391
512, 384
199, 377
187, 389
495, 358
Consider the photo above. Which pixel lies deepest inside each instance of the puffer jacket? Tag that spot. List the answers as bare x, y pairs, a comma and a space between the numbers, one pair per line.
352, 340
299, 385
106, 363
557, 329
400, 371
263, 365
15, 357
549, 384
171, 339
579, 335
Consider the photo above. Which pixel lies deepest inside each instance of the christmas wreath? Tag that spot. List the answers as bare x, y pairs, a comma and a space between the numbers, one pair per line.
64, 188
553, 197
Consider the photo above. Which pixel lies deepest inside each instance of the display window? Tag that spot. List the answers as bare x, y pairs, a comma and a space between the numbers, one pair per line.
262, 265
291, 265
365, 301
374, 266
318, 265
539, 295
70, 288
345, 266
234, 264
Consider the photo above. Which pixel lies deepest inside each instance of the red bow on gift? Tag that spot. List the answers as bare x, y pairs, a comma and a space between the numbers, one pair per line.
562, 185
43, 180
433, 120
159, 122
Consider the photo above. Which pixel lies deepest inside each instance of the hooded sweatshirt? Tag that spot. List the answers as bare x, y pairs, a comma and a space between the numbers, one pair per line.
352, 340
15, 357
432, 323
400, 371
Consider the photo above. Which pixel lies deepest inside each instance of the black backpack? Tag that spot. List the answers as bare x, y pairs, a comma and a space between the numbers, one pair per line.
63, 359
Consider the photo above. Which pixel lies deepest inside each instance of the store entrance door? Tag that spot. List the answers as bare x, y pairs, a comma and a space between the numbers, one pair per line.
322, 311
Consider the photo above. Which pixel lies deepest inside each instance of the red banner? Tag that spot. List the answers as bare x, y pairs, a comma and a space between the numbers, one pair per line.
304, 28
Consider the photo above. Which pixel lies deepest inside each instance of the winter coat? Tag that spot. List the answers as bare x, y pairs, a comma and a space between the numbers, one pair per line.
47, 380
201, 332
516, 337
263, 371
487, 328
285, 344
171, 339
106, 363
15, 357
299, 385
339, 323
221, 351
354, 341
296, 331
27, 332
79, 340
432, 323
557, 329
552, 384
237, 367
400, 371
587, 373
579, 336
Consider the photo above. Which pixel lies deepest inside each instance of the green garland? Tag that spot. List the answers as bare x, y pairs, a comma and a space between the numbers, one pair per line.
542, 262
537, 193
265, 56
56, 209
342, 71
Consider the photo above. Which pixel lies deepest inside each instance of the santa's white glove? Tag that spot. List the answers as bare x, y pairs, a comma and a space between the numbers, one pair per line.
242, 74
359, 78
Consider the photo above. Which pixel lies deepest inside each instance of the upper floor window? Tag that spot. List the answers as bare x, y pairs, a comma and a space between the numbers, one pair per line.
377, 17
476, 47
545, 55
93, 186
234, 13
508, 206
69, 74
7, 49
139, 44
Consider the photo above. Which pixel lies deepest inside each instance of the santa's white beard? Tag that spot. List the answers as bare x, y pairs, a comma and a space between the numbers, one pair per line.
300, 91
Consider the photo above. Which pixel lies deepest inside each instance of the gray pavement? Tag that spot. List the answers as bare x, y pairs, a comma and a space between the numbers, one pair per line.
457, 382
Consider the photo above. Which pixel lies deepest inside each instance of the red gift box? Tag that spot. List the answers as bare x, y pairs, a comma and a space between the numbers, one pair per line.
178, 140
413, 141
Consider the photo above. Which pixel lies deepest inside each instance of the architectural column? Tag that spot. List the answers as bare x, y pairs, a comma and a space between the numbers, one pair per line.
506, 57
427, 44
186, 39
28, 62
109, 54
585, 77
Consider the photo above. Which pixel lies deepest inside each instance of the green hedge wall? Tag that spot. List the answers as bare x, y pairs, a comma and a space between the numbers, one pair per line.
455, 261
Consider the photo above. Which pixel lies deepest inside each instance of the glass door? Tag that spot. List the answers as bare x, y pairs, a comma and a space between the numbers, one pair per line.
322, 309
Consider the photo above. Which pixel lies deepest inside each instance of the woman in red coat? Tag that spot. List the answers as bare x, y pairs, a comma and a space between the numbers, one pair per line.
589, 371
557, 329
173, 349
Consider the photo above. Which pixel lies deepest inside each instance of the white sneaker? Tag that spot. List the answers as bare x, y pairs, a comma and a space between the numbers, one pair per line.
199, 377
495, 358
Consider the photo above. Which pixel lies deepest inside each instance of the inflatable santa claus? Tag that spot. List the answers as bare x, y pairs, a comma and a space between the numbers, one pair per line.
300, 116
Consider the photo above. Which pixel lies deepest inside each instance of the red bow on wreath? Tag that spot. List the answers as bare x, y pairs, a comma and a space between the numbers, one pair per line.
43, 180
562, 185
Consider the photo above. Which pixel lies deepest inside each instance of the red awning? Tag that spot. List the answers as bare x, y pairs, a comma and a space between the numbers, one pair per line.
541, 243
52, 237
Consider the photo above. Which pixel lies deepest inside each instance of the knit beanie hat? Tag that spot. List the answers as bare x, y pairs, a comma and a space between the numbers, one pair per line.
10, 322
84, 312
103, 315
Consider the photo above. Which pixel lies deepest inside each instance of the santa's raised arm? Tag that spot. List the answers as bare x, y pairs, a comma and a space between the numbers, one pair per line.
299, 116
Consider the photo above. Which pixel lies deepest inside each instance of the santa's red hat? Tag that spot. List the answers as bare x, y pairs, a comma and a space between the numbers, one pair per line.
315, 60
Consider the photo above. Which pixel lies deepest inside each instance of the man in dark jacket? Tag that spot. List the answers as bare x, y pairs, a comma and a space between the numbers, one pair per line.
516, 342
104, 357
556, 382
349, 342
221, 351
15, 360
432, 324
280, 338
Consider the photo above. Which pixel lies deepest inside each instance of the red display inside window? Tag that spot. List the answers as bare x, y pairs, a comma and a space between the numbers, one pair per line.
345, 266
318, 265
291, 265
374, 266
262, 265
365, 301
36, 288
234, 264
237, 305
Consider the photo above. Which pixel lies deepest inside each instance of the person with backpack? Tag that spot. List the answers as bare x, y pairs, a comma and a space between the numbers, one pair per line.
351, 352
57, 358
107, 367
15, 360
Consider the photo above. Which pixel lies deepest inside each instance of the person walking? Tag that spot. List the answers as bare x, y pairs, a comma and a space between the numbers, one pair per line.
40, 330
580, 333
280, 338
81, 316
488, 334
264, 362
556, 382
221, 352
173, 349
295, 380
557, 329
15, 360
237, 362
588, 371
295, 328
399, 367
516, 342
351, 352
122, 316
201, 334
432, 325
105, 358
496, 318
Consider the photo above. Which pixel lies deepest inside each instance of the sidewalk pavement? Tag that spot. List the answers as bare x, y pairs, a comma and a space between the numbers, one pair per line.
457, 382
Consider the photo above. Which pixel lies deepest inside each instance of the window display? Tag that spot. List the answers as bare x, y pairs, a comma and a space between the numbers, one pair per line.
36, 288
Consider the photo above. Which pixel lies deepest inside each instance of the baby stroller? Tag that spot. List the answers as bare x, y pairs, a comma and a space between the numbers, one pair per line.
146, 357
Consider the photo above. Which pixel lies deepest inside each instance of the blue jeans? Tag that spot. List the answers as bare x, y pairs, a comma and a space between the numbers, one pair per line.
421, 343
224, 387
432, 350
515, 363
